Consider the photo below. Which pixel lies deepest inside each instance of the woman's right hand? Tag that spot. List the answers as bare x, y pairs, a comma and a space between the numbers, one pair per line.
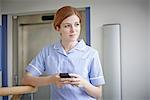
57, 81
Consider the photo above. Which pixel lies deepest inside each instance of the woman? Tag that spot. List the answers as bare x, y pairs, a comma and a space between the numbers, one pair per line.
69, 55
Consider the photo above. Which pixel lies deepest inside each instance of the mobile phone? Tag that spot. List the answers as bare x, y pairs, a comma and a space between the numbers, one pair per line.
64, 75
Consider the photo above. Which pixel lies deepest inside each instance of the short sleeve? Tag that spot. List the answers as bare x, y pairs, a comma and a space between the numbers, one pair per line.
96, 72
37, 65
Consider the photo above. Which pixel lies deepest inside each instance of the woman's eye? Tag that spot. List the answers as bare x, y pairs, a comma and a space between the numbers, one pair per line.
77, 24
66, 26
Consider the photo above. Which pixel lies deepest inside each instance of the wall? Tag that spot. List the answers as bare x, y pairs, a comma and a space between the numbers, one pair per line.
133, 16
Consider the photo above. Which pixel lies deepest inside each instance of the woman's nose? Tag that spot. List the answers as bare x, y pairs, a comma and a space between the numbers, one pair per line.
72, 29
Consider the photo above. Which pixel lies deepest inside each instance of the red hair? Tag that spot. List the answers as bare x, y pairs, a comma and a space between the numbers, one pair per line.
63, 13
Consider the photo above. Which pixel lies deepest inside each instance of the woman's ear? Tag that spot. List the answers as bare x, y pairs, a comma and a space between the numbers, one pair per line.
57, 28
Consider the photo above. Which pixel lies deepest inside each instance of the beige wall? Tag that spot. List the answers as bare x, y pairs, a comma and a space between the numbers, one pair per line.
133, 17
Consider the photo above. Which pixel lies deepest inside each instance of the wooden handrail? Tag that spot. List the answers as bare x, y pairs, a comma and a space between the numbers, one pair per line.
5, 91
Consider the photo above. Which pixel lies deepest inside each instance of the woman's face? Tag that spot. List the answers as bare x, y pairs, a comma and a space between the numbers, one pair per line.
70, 28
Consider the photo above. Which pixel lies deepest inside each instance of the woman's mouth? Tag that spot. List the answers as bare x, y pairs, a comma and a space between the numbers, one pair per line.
72, 35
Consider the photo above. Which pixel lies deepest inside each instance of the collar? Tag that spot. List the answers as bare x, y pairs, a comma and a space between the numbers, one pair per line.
79, 46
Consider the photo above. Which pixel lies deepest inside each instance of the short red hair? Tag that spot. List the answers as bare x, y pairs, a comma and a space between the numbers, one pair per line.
63, 13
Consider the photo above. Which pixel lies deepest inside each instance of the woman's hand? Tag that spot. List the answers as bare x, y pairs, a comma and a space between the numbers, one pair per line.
60, 82
75, 80
57, 81
78, 80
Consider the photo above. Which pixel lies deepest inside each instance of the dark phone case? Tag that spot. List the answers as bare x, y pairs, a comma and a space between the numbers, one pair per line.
64, 75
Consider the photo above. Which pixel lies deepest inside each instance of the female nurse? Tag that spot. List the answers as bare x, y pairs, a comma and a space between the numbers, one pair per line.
69, 55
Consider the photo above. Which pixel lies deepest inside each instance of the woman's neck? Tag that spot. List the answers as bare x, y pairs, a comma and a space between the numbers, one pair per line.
68, 45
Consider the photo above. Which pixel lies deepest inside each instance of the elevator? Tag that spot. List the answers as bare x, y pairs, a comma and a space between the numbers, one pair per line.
30, 34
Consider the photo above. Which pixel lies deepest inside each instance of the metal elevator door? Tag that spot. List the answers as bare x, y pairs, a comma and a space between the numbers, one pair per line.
30, 35
34, 38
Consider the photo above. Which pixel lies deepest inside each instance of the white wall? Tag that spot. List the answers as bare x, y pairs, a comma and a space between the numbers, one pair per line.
133, 16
